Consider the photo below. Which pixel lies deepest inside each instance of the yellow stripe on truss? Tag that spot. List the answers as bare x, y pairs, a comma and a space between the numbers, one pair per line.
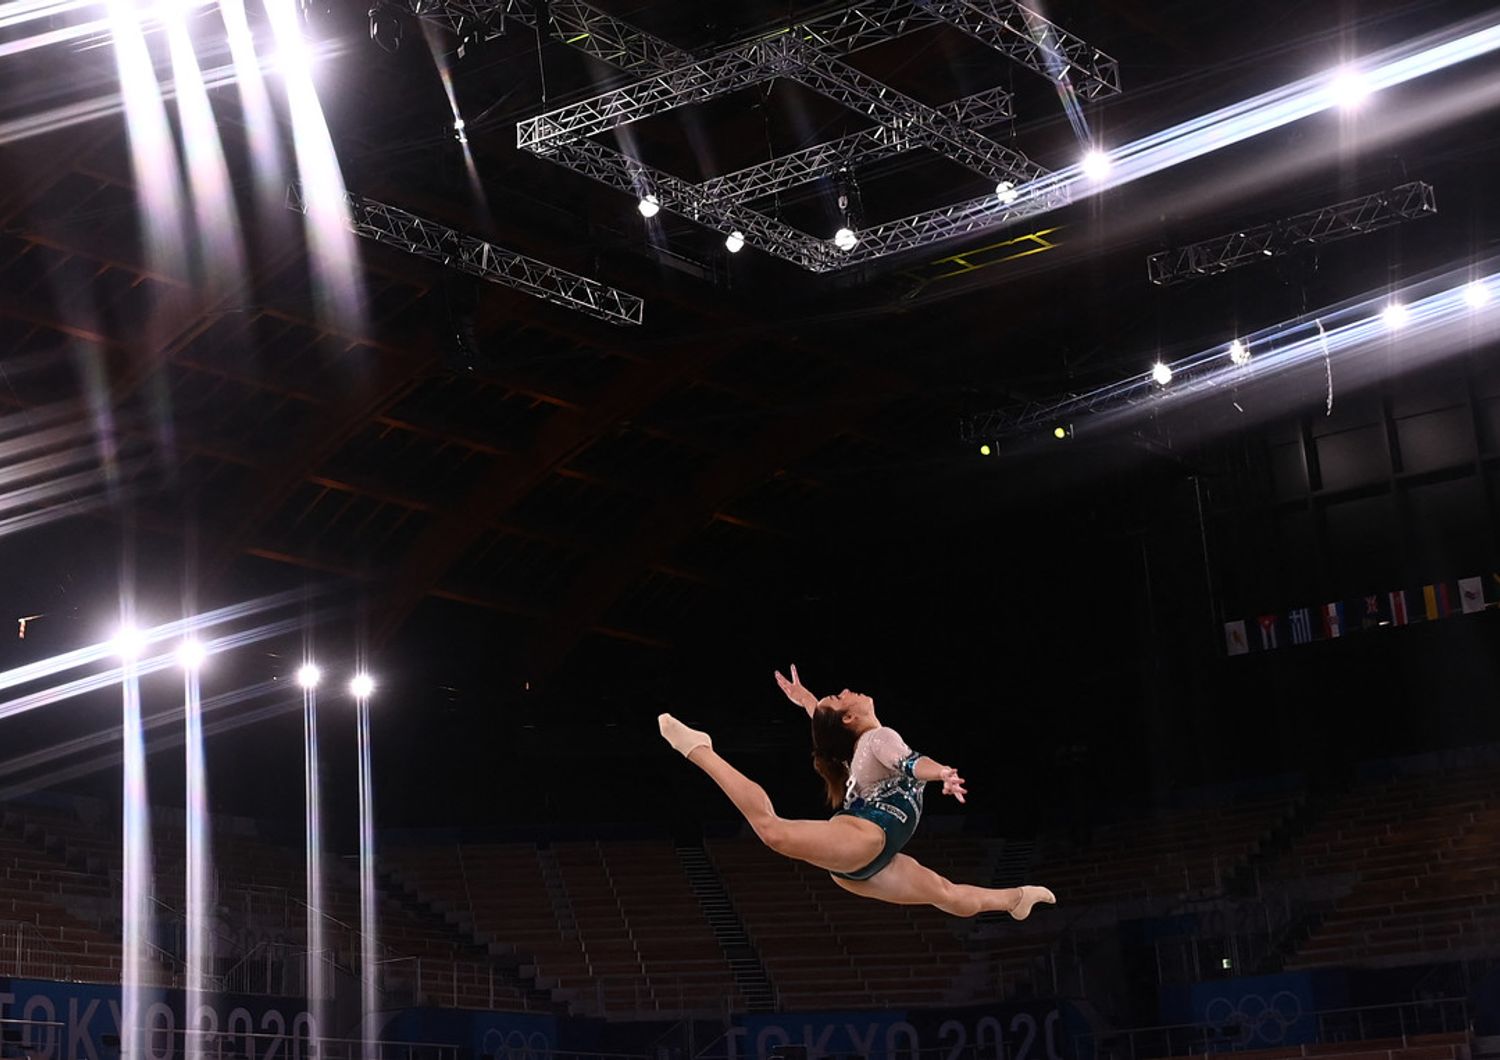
974, 260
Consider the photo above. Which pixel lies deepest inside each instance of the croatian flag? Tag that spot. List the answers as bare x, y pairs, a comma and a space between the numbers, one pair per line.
1333, 620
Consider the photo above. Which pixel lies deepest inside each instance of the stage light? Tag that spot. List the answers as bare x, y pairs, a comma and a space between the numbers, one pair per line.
1395, 315
458, 125
308, 676
1239, 353
985, 450
649, 206
1476, 295
1161, 374
1006, 192
191, 653
1095, 165
1059, 432
128, 642
361, 686
734, 242
1349, 88
845, 239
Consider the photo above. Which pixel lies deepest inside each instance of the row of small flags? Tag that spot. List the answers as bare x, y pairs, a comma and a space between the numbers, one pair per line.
1341, 618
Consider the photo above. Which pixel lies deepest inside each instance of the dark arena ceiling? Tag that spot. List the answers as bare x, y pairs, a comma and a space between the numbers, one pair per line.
534, 521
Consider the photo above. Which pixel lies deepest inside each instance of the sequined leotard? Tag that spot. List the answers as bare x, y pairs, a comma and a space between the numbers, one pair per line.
883, 788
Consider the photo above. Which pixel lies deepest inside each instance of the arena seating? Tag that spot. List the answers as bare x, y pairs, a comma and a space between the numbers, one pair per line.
1419, 852
42, 934
825, 948
619, 930
1179, 854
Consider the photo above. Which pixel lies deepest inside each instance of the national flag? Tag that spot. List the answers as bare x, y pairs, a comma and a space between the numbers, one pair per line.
1439, 600
1374, 611
1301, 623
1396, 601
1268, 626
1471, 594
1492, 591
1333, 620
1235, 641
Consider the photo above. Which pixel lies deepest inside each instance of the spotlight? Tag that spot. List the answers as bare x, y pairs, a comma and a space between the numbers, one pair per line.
1006, 192
1476, 295
734, 242
308, 676
1239, 353
458, 131
985, 450
1059, 432
361, 686
649, 206
1349, 88
1161, 374
458, 125
128, 642
845, 239
191, 653
1096, 165
1395, 315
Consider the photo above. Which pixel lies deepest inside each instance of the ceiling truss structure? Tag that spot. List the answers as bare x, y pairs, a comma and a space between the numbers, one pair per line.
810, 53
1329, 224
469, 254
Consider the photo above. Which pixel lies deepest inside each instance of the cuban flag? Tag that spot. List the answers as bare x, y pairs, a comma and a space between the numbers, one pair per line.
1333, 620
1270, 636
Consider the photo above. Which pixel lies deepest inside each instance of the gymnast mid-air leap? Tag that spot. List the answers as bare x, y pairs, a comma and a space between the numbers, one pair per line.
875, 785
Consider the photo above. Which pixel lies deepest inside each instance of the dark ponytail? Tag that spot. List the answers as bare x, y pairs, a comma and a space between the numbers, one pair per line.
833, 746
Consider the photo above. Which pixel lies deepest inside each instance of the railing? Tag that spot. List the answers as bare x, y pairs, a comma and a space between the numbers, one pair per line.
1242, 1030
28, 954
276, 969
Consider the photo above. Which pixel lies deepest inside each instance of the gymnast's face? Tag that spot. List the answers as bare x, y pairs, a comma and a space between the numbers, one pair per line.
855, 709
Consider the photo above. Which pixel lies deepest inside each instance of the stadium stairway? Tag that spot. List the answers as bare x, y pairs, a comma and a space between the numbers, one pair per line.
718, 909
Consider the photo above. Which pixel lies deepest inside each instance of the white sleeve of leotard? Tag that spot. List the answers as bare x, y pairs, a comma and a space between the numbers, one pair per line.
888, 748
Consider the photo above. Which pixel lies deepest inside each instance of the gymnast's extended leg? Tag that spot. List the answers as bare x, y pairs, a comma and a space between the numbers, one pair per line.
844, 844
906, 881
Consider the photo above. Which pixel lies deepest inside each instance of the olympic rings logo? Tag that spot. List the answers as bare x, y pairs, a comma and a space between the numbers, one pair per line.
1255, 1020
516, 1045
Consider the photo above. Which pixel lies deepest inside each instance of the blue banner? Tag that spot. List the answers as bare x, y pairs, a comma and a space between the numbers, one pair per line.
500, 1035
1026, 1031
1256, 1012
258, 1028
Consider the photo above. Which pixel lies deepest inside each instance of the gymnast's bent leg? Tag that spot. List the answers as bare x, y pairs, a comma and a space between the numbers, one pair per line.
844, 844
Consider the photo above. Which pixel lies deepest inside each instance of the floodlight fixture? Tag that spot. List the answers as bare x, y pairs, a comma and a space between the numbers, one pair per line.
1161, 373
308, 676
845, 239
649, 206
191, 653
361, 685
734, 242
1395, 315
1239, 353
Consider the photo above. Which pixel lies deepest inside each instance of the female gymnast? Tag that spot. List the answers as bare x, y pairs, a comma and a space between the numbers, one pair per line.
875, 784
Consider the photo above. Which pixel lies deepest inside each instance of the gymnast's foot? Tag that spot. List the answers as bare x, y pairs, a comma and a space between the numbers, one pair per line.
1030, 896
682, 739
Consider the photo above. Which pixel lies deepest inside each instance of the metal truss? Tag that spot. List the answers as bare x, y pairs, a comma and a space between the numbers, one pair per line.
808, 53
689, 200
1016, 32
860, 92
406, 231
577, 24
978, 111
1329, 224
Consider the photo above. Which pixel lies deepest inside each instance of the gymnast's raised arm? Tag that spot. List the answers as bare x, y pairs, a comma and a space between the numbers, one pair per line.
796, 692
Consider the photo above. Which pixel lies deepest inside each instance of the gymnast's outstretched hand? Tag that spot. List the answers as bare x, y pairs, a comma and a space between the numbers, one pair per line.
953, 784
795, 691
